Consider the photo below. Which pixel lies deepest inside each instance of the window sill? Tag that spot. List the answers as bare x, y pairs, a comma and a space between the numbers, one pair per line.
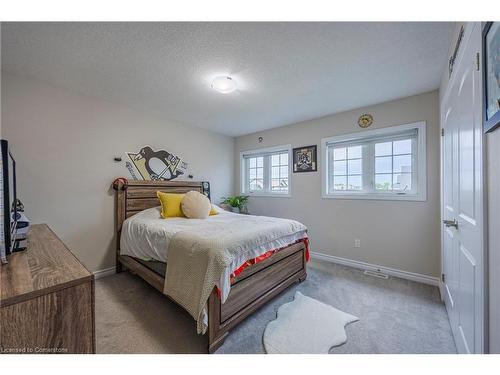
384, 197
271, 195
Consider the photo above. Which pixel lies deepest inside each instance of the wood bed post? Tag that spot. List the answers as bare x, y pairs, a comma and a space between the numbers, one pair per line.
216, 336
120, 185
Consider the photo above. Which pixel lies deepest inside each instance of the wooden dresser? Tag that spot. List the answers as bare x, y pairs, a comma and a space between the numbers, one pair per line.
46, 299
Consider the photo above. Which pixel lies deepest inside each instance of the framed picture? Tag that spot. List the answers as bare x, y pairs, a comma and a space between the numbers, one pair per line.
491, 76
304, 159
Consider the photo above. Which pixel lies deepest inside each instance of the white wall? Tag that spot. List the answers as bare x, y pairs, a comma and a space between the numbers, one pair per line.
493, 208
64, 144
493, 186
396, 234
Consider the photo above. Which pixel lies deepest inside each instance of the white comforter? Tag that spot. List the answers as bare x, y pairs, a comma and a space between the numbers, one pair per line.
147, 236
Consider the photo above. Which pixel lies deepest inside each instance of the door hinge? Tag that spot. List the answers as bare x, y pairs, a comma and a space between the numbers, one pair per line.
442, 132
477, 62
443, 278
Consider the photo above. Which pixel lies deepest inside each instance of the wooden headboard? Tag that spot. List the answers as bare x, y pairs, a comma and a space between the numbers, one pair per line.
134, 196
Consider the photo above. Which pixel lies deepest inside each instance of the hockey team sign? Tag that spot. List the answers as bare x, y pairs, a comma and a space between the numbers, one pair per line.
155, 165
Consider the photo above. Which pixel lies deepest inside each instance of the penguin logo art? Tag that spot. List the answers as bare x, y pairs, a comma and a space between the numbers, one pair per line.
157, 165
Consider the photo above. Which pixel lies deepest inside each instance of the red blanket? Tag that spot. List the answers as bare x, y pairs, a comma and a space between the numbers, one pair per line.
263, 257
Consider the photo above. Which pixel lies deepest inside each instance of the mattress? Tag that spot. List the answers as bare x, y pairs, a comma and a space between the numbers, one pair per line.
147, 236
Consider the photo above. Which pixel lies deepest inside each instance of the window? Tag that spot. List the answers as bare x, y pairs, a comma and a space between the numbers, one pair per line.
388, 163
256, 173
266, 171
393, 165
347, 168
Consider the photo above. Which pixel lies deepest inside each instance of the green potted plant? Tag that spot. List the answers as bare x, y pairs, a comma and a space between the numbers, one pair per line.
237, 203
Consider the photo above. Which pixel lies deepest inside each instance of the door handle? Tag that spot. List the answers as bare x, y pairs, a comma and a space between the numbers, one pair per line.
451, 223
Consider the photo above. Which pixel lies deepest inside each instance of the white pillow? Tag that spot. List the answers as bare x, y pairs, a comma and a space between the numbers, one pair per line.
195, 205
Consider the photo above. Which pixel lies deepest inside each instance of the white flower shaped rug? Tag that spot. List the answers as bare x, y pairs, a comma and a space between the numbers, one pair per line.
306, 326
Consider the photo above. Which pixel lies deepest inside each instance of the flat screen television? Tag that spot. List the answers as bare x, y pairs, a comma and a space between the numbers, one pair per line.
9, 209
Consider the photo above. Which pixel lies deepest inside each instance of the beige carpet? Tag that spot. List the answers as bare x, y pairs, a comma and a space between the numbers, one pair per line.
133, 317
396, 316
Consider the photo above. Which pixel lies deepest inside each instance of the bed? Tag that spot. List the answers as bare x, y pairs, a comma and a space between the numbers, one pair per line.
250, 286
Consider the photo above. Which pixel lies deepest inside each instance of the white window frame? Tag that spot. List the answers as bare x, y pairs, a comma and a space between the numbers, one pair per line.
267, 150
421, 165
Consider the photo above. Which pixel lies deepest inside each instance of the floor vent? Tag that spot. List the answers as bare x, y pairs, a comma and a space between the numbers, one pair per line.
377, 273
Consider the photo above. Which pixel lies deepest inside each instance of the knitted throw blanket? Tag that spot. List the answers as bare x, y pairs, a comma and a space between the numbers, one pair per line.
197, 258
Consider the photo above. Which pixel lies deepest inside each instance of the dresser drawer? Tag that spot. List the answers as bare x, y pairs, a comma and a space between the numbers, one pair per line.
46, 299
59, 322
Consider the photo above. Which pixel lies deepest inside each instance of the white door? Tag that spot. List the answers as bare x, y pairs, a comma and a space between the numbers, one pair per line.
462, 203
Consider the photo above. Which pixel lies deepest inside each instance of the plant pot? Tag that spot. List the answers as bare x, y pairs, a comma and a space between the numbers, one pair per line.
236, 210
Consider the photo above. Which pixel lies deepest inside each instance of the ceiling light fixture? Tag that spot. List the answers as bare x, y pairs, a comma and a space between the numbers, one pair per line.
224, 84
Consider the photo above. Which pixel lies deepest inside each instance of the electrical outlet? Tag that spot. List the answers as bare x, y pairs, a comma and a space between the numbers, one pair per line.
357, 242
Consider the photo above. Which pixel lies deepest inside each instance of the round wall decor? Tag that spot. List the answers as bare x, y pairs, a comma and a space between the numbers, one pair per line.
365, 120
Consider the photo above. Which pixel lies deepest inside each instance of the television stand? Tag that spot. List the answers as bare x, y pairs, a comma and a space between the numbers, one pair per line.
46, 299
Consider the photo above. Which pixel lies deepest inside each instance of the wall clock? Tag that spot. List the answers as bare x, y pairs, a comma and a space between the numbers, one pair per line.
365, 120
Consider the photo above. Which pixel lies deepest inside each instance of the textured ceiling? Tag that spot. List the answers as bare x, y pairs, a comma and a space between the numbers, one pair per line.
286, 72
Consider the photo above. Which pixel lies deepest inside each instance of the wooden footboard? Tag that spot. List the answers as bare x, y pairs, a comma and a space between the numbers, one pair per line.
255, 286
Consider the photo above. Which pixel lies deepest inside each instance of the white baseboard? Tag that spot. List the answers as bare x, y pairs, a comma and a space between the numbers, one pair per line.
105, 272
425, 279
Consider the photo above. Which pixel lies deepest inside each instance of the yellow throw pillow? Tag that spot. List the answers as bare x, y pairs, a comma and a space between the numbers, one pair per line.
195, 205
170, 204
